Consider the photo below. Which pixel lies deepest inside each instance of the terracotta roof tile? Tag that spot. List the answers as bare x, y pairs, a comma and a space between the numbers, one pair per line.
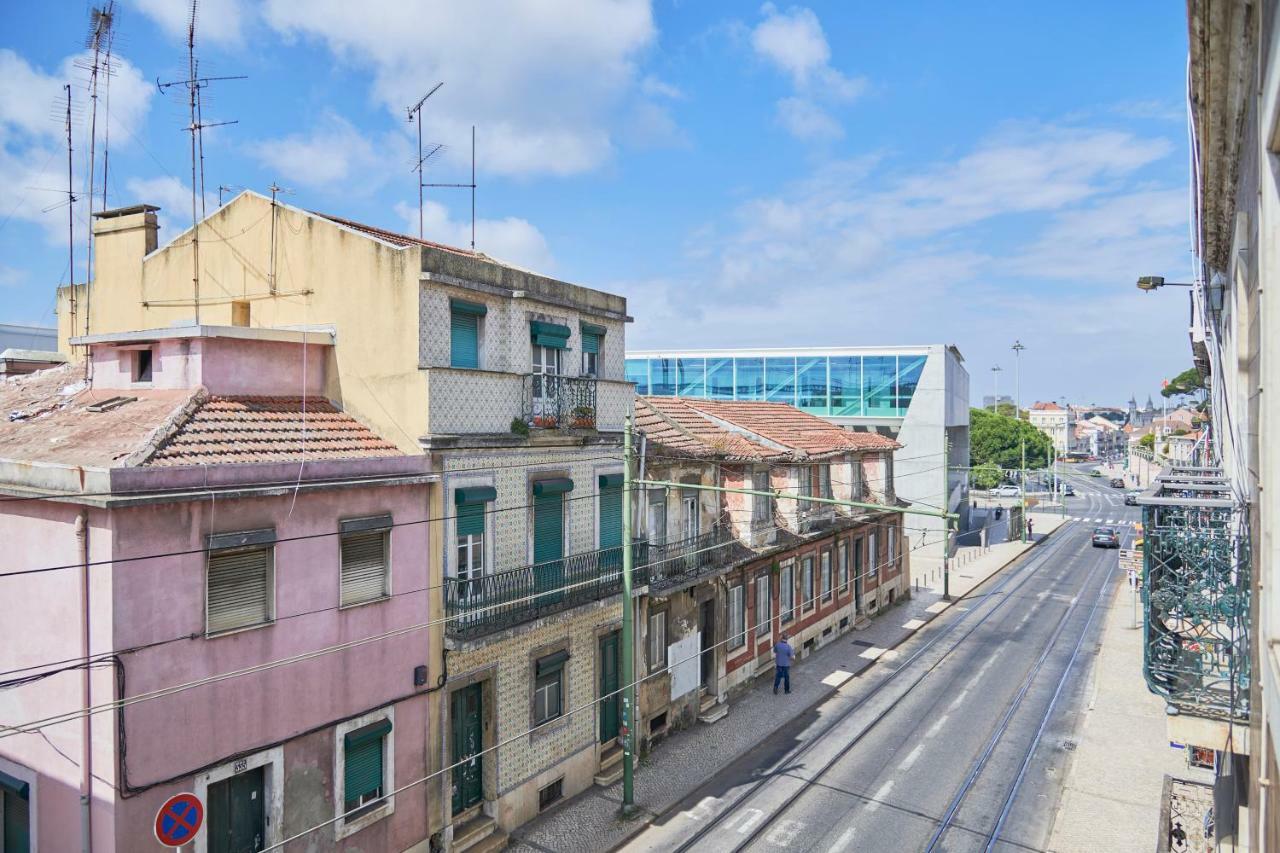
268, 429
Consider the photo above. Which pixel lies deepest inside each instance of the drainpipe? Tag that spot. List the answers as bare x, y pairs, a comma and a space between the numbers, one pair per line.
86, 743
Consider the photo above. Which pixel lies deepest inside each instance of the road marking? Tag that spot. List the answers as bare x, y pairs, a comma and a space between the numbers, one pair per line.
955, 703
911, 758
879, 795
753, 816
937, 726
784, 833
842, 842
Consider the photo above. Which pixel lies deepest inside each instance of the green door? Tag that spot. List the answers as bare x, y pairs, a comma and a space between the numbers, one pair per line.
465, 718
15, 815
611, 708
548, 546
237, 814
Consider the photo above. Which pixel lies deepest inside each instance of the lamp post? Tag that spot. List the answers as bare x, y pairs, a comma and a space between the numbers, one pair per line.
995, 397
1017, 348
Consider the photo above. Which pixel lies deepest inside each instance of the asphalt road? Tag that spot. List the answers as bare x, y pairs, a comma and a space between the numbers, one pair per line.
966, 731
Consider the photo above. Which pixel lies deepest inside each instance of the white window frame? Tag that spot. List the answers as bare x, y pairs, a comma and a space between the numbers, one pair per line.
761, 505
842, 564
656, 497
272, 784
560, 689
764, 606
344, 828
891, 543
824, 481
692, 519
787, 585
591, 362
825, 586
738, 615
808, 601
873, 555
657, 641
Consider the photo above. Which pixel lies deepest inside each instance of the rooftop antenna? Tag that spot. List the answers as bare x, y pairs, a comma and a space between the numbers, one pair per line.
415, 113
471, 186
71, 223
110, 12
100, 25
227, 188
194, 84
271, 275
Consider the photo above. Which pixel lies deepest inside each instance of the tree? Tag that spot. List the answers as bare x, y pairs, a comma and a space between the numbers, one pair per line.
998, 440
987, 476
1148, 441
1185, 384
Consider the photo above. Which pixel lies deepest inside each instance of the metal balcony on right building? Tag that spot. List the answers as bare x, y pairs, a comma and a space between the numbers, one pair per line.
1196, 591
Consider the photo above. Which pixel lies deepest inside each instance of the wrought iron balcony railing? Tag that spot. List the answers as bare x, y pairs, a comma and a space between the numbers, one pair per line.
479, 606
1196, 592
671, 563
559, 402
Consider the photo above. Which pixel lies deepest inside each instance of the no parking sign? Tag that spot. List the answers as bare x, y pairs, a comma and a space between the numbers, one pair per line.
179, 819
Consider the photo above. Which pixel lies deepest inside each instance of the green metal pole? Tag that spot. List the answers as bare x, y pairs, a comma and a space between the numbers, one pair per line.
1023, 484
628, 629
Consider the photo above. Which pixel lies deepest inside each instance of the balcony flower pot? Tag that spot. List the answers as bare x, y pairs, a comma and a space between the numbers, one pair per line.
545, 421
583, 417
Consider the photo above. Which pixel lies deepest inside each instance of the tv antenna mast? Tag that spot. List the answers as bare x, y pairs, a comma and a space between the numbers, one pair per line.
71, 223
415, 114
194, 84
101, 34
471, 186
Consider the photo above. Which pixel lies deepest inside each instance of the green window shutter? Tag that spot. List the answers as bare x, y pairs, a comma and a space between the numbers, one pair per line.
363, 771
549, 334
548, 528
590, 342
364, 567
475, 495
462, 306
470, 518
610, 516
464, 339
553, 486
239, 589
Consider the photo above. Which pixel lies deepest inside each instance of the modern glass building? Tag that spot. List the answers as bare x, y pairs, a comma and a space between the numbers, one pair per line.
918, 395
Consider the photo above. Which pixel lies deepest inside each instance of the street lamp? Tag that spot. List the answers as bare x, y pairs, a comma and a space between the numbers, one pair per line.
1151, 282
995, 398
1017, 378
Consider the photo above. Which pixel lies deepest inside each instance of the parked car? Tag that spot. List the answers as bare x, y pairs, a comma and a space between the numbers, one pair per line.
1131, 497
1117, 483
1005, 491
1105, 537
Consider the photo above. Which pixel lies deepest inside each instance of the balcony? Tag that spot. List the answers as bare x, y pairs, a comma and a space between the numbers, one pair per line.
560, 402
676, 563
503, 600
1196, 591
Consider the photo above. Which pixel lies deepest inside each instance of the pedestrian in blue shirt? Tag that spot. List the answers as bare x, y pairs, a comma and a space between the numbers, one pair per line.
782, 656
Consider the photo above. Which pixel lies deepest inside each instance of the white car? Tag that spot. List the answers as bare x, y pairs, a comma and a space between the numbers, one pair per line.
1005, 492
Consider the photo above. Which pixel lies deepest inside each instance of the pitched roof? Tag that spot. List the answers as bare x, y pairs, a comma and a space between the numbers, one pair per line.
747, 430
394, 237
1046, 407
228, 430
54, 417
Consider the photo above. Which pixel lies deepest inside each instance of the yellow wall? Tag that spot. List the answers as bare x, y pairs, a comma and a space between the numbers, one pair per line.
325, 275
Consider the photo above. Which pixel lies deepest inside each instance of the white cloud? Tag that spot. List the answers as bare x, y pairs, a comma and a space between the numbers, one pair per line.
804, 119
542, 81
651, 85
510, 239
336, 154
219, 21
12, 276
793, 42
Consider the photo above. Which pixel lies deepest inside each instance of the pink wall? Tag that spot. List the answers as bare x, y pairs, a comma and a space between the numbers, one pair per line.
225, 366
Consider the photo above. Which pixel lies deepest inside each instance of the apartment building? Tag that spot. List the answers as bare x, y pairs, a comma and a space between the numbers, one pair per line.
200, 508
725, 574
1056, 422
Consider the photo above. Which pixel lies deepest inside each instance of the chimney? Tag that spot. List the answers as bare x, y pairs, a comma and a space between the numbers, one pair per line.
123, 236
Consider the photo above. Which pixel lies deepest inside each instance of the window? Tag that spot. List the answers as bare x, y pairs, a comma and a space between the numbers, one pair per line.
15, 814
748, 380
824, 481
548, 687
761, 505
846, 385
855, 479
551, 794
692, 523
592, 340
657, 641
142, 365
891, 542
824, 573
464, 333
720, 378
780, 380
610, 526
657, 521
873, 555
857, 560
812, 373
364, 780
240, 581
737, 617
842, 564
787, 593
763, 615
364, 545
662, 377
637, 371
806, 583
691, 377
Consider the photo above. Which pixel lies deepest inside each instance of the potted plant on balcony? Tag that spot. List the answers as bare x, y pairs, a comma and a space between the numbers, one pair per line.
545, 421
583, 417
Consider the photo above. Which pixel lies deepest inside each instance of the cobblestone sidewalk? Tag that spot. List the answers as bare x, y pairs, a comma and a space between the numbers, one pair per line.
682, 762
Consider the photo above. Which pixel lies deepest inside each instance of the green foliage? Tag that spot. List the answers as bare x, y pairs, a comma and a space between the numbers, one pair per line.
998, 440
519, 427
1186, 383
986, 476
1148, 441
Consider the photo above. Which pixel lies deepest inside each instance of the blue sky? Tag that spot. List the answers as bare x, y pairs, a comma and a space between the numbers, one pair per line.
747, 175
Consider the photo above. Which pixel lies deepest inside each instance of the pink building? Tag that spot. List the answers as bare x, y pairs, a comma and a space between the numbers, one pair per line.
201, 508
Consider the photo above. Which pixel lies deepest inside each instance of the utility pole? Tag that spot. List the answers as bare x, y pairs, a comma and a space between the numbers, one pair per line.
1022, 483
628, 630
995, 400
946, 522
1017, 378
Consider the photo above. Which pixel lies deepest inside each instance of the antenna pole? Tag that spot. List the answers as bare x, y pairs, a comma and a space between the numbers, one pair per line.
415, 113
110, 12
200, 137
71, 224
192, 85
473, 187
271, 276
